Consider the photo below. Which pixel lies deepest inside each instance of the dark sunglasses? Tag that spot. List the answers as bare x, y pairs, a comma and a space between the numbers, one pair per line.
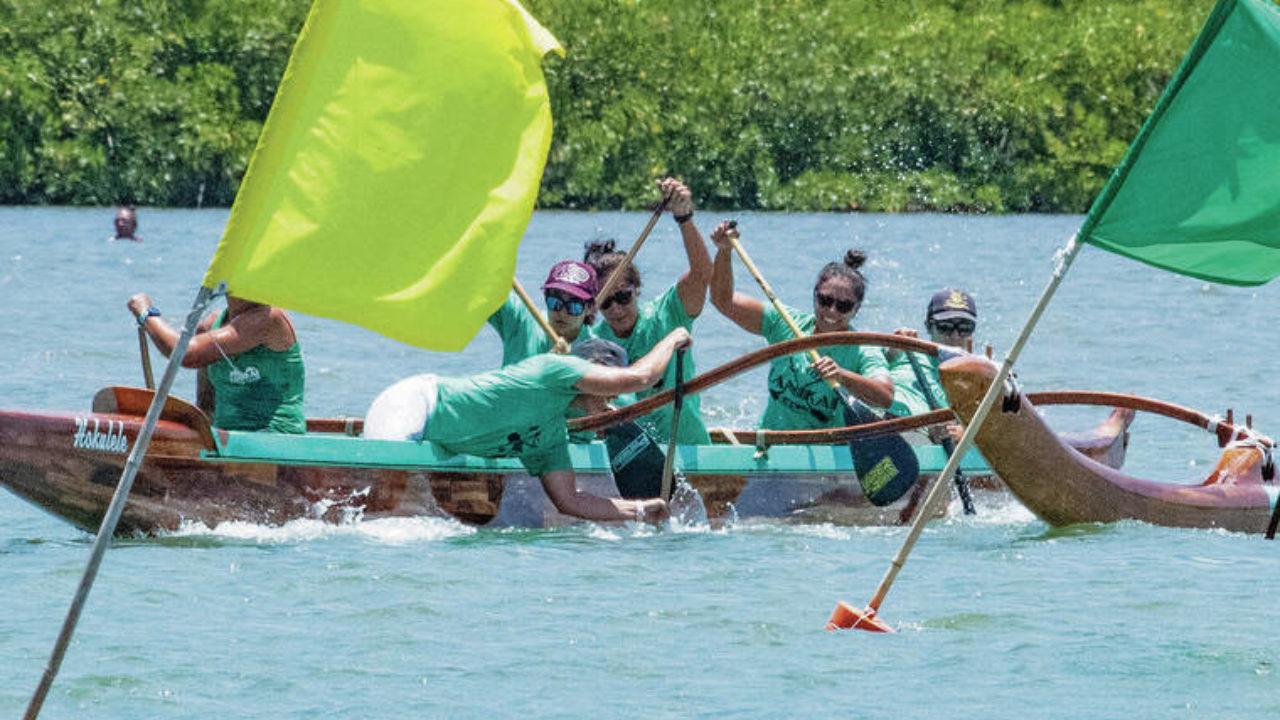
960, 327
622, 297
572, 307
842, 306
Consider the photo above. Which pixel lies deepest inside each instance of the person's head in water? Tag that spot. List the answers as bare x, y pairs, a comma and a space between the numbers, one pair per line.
838, 293
601, 352
126, 223
620, 309
570, 292
952, 317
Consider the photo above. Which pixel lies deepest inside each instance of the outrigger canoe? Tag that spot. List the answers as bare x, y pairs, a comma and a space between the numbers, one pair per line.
69, 463
1064, 487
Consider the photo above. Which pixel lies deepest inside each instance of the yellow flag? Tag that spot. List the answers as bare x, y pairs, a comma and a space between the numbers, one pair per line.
397, 169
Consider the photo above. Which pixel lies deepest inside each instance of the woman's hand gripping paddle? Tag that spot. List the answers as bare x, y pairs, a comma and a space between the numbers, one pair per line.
887, 467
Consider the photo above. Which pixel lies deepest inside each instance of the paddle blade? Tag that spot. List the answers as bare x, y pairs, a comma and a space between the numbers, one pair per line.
636, 461
887, 467
848, 617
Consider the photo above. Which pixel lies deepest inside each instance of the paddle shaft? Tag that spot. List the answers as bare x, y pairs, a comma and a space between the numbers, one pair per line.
144, 349
923, 512
558, 344
616, 276
949, 447
1275, 520
677, 404
841, 390
112, 516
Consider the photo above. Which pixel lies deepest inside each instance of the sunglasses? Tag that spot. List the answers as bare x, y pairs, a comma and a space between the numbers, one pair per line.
572, 307
622, 297
959, 327
842, 306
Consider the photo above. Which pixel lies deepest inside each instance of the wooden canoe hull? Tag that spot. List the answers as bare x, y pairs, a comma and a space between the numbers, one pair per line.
69, 464
1064, 487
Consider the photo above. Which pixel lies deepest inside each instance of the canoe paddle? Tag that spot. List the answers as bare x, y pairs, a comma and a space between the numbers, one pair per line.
949, 447
615, 276
634, 456
668, 467
886, 465
145, 349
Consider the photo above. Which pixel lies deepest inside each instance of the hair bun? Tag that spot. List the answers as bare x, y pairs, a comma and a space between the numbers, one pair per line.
855, 258
598, 248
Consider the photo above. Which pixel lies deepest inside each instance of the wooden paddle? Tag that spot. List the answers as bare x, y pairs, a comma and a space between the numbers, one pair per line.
558, 344
144, 348
962, 483
668, 467
886, 466
614, 277
634, 457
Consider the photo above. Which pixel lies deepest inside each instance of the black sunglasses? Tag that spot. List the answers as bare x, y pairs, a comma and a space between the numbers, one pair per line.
842, 306
622, 297
573, 307
960, 327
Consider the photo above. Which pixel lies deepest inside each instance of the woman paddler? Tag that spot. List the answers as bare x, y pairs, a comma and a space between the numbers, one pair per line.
569, 293
250, 357
519, 411
799, 396
638, 328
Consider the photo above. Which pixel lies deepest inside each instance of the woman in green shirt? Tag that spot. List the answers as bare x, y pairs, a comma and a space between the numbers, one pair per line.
951, 319
570, 292
519, 411
638, 328
250, 357
800, 397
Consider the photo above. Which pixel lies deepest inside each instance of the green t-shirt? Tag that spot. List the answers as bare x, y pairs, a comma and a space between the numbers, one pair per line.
259, 389
798, 398
517, 411
655, 321
521, 335
908, 398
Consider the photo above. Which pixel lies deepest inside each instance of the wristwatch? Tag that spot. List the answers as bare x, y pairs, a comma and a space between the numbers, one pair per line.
151, 311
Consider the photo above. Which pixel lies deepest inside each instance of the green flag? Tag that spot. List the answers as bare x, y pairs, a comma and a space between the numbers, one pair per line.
1198, 192
397, 169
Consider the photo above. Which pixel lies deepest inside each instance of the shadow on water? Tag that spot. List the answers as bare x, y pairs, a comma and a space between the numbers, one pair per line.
1082, 530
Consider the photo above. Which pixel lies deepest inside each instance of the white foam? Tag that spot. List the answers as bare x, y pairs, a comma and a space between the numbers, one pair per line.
389, 531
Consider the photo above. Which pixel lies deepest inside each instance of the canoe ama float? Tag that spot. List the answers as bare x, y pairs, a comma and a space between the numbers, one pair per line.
1064, 487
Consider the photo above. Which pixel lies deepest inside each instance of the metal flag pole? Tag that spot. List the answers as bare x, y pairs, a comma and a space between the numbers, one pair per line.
846, 616
114, 510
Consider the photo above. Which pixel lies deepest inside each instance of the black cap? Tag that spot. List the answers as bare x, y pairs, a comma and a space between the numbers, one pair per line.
601, 352
948, 304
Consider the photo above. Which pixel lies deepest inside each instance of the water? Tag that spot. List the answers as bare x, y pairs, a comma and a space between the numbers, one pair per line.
1000, 616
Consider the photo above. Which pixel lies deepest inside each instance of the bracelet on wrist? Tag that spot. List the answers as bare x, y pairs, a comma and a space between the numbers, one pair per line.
151, 311
682, 219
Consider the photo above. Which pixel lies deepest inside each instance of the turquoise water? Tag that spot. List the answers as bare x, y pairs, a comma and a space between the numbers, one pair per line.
1000, 616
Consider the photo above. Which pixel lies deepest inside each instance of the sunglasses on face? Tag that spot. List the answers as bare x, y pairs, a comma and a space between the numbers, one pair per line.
622, 297
572, 307
959, 327
842, 306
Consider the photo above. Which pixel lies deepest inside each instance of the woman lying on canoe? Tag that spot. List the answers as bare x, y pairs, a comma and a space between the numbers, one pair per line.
799, 396
249, 356
519, 411
570, 293
950, 319
638, 328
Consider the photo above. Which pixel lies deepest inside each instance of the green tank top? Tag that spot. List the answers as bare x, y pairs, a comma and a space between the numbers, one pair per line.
259, 389
656, 319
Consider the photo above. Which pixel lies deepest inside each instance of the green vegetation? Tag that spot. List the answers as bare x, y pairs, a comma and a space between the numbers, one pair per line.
959, 105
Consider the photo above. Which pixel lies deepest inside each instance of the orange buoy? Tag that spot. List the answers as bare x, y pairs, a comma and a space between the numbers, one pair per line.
848, 617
